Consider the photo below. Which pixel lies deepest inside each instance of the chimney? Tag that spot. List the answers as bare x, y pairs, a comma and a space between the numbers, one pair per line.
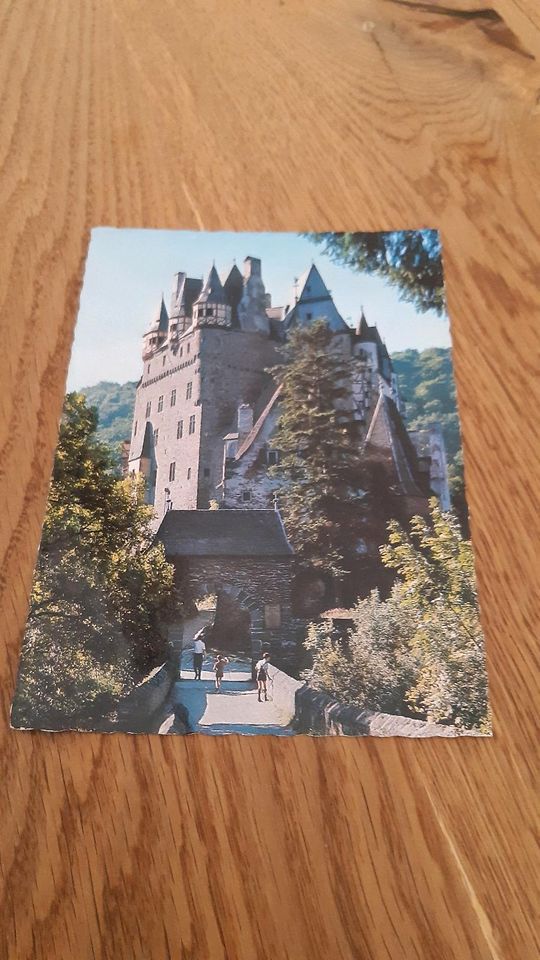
245, 420
252, 267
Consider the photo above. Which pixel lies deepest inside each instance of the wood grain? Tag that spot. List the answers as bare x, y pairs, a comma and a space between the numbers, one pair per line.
288, 114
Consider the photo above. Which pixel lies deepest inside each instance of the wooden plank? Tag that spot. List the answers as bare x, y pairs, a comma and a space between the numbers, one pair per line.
293, 114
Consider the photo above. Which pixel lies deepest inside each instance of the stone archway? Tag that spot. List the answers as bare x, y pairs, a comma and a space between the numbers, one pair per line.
244, 600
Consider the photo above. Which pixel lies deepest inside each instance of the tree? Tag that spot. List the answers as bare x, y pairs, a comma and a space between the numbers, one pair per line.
375, 666
319, 463
101, 590
408, 259
420, 652
435, 566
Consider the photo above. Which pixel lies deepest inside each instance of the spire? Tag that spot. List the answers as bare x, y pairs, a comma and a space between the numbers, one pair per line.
234, 287
160, 320
362, 328
212, 291
212, 308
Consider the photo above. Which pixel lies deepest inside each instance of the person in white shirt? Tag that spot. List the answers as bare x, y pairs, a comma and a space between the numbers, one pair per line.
199, 650
261, 675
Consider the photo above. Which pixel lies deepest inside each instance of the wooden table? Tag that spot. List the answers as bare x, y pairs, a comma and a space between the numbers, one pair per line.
282, 114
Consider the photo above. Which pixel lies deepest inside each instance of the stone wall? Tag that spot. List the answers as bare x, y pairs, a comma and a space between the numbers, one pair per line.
140, 711
255, 583
318, 713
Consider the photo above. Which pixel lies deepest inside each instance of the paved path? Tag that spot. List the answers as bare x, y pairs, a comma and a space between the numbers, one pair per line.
235, 710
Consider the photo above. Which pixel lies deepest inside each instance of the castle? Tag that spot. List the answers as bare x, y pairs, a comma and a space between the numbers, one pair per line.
206, 408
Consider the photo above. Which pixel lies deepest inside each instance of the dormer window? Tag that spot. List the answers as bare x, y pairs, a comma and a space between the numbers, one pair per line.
209, 311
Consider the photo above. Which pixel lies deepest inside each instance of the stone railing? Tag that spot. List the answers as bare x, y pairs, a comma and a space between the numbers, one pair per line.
141, 710
284, 689
318, 713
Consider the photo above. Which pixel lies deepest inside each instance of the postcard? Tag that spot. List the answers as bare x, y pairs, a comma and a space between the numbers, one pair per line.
257, 520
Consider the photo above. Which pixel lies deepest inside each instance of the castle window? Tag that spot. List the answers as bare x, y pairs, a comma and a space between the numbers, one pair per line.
192, 424
209, 311
156, 437
188, 347
273, 457
206, 472
189, 473
148, 409
172, 471
179, 429
164, 359
173, 398
189, 390
181, 351
148, 368
246, 496
135, 429
160, 404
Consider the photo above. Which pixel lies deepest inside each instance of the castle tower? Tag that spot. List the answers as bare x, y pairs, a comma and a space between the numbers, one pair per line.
211, 307
252, 307
157, 332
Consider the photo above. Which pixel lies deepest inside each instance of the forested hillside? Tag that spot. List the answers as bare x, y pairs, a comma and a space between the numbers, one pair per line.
426, 381
114, 402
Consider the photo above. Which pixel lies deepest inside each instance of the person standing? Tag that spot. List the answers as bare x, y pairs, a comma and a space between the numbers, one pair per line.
199, 650
261, 675
219, 670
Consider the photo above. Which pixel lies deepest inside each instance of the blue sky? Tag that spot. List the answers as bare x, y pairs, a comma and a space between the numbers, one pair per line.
127, 271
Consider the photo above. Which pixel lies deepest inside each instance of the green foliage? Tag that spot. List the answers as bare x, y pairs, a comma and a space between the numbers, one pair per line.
114, 403
319, 456
426, 382
436, 568
375, 667
101, 588
421, 651
408, 259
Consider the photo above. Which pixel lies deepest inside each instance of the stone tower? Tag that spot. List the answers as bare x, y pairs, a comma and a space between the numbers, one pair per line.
200, 366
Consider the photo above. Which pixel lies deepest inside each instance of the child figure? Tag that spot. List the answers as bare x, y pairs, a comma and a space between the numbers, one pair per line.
219, 670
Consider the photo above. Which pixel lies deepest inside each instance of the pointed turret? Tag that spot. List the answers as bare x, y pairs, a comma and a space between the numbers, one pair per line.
362, 328
212, 308
158, 330
234, 288
185, 291
313, 301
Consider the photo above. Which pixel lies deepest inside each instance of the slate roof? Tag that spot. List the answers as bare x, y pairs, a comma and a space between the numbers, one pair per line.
223, 533
160, 320
213, 291
387, 432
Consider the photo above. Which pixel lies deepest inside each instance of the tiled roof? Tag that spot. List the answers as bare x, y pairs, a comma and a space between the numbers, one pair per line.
223, 533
